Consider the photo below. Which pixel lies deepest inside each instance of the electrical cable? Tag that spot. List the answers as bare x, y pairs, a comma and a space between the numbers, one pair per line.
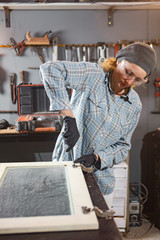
143, 196
146, 232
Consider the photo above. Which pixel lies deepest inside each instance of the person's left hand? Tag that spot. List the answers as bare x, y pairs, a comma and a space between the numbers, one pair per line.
87, 160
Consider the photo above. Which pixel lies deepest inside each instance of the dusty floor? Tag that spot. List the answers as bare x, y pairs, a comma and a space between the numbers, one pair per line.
146, 231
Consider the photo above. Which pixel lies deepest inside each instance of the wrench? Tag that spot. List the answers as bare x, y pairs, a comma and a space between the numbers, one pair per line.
107, 52
68, 53
101, 53
74, 54
55, 49
80, 53
89, 53
84, 54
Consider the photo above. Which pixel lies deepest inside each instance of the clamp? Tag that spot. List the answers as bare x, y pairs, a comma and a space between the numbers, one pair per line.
19, 47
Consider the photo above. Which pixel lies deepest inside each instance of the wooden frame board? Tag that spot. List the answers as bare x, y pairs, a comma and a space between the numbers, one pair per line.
78, 195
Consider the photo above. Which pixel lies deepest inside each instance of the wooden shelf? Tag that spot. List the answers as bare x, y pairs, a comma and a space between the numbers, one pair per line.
82, 6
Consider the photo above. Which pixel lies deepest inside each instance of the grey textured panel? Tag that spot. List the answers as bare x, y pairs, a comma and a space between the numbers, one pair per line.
27, 192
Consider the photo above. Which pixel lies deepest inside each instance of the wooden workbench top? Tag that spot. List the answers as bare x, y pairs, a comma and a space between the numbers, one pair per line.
9, 131
13, 131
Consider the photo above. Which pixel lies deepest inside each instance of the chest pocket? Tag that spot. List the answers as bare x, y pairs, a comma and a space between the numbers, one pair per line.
122, 128
118, 127
94, 106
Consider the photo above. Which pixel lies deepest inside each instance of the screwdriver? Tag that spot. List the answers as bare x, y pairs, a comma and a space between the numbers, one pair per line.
72, 157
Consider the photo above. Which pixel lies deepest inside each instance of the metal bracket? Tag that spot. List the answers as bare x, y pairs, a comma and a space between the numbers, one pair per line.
87, 169
110, 17
7, 16
107, 214
84, 169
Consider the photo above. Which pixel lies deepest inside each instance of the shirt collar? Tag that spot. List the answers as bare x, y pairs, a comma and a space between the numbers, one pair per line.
108, 82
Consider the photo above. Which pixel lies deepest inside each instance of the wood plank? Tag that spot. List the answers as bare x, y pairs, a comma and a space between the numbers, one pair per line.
9, 131
82, 6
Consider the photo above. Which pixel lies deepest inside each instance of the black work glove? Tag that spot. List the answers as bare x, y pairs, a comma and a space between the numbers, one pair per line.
70, 134
89, 160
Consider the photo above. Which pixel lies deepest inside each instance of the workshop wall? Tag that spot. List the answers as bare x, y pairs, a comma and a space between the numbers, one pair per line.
74, 27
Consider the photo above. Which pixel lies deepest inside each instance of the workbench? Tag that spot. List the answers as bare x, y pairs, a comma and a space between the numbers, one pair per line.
26, 146
12, 132
107, 228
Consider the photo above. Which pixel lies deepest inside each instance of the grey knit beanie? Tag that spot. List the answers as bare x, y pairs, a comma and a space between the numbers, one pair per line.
140, 54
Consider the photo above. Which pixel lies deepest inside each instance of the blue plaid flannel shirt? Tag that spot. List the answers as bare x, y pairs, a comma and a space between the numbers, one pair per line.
105, 122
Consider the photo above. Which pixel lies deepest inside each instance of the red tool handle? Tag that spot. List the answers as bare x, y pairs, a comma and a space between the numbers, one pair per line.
157, 94
116, 49
46, 129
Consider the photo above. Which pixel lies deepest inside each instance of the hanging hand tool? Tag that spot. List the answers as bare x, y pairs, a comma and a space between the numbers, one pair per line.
74, 54
123, 43
47, 33
79, 54
55, 49
92, 54
89, 53
44, 54
14, 44
95, 54
115, 49
44, 50
101, 52
84, 54
111, 51
19, 47
38, 51
107, 52
34, 68
12, 78
22, 76
157, 95
68, 53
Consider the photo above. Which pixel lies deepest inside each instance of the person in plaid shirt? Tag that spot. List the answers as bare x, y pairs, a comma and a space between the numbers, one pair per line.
104, 109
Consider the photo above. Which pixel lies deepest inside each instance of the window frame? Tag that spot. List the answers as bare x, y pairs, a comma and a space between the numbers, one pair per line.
80, 198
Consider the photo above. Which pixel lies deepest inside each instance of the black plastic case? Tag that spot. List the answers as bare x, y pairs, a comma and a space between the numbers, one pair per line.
33, 110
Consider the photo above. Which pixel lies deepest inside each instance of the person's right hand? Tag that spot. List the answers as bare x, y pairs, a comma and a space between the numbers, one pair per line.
70, 133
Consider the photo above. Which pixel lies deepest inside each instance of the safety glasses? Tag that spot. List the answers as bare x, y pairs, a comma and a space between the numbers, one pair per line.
130, 75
